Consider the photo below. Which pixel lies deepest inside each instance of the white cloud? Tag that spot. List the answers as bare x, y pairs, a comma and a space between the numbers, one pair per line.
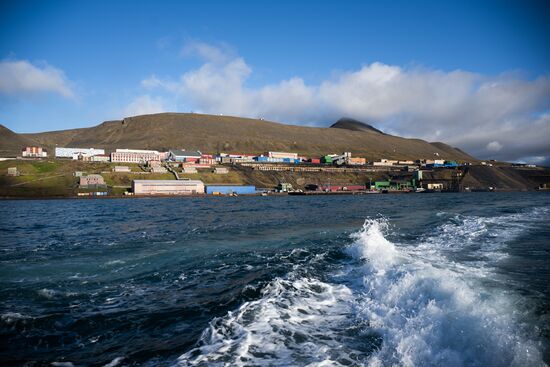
210, 53
20, 77
494, 146
144, 105
479, 113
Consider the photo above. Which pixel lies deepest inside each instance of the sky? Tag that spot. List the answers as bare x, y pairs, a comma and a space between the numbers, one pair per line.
473, 74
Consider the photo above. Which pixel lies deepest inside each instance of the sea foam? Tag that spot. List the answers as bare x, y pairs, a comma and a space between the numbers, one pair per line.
387, 305
431, 315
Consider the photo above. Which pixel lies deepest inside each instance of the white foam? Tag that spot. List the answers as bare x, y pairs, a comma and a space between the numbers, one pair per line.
13, 317
433, 316
115, 362
293, 323
425, 310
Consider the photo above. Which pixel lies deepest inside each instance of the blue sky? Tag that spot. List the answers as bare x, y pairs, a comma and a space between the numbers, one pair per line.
67, 64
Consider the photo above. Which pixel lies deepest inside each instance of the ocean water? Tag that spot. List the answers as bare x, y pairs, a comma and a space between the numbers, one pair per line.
373, 280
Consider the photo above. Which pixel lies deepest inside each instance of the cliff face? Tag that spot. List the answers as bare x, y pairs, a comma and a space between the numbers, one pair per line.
241, 135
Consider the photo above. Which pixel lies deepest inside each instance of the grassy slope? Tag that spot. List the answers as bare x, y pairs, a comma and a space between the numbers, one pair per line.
233, 134
55, 178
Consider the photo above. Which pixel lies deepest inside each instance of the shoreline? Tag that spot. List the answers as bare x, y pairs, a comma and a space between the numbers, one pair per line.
339, 193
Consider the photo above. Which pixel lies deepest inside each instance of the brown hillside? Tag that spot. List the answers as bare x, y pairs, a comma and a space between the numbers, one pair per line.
210, 133
11, 143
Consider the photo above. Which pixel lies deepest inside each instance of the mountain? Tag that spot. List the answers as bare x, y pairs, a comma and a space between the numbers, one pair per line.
209, 134
354, 125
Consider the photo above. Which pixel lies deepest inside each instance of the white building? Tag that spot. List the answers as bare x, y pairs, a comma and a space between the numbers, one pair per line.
135, 156
75, 152
282, 155
167, 187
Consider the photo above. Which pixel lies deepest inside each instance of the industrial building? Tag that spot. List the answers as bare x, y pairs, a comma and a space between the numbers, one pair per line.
230, 190
282, 155
34, 152
134, 156
167, 187
357, 161
75, 152
177, 155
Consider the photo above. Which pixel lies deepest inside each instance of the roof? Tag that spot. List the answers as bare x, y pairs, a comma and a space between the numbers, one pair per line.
94, 176
170, 182
185, 153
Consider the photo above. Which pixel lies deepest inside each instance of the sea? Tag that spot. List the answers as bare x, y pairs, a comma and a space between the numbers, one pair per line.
341, 280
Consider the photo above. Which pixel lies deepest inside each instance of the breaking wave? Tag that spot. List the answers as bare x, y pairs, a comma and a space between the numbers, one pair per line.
386, 305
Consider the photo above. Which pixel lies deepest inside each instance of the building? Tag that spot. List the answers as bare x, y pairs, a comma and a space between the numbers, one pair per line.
282, 155
163, 156
12, 171
177, 155
91, 180
207, 161
121, 169
34, 152
357, 161
436, 186
186, 169
284, 187
167, 187
100, 158
75, 152
221, 170
79, 173
134, 156
230, 190
158, 169
327, 159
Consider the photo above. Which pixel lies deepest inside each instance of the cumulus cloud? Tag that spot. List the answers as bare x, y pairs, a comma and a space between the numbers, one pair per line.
502, 117
145, 104
20, 77
494, 146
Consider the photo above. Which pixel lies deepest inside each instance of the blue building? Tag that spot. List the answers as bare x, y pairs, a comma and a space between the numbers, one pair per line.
230, 189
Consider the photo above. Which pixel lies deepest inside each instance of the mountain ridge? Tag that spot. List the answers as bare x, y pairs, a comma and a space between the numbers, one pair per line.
212, 133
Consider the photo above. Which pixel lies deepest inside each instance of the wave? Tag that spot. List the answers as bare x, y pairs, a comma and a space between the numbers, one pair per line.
389, 304
431, 315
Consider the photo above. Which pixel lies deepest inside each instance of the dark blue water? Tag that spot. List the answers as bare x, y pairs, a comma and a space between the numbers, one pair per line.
420, 279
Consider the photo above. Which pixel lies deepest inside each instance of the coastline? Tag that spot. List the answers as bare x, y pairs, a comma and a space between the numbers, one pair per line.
193, 196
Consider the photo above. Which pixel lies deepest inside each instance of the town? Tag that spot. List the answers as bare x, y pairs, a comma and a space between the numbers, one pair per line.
176, 168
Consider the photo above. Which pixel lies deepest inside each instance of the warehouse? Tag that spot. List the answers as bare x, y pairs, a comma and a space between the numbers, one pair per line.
75, 152
282, 155
230, 189
177, 155
167, 187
